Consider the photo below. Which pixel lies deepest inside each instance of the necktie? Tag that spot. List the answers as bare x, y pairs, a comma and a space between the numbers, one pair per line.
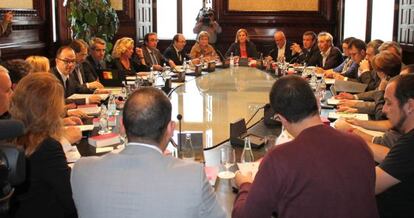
153, 58
79, 75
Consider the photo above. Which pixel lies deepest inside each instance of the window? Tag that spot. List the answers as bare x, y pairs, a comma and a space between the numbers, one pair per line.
355, 25
167, 14
382, 19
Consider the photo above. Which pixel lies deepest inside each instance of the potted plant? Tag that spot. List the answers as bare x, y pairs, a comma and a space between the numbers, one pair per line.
93, 18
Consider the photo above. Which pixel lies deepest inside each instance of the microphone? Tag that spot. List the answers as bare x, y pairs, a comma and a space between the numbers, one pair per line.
11, 129
179, 118
257, 110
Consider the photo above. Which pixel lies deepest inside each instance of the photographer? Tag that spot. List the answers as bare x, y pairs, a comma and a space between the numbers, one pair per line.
206, 22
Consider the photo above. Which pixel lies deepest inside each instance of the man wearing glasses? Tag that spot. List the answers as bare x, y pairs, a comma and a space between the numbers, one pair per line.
175, 52
65, 65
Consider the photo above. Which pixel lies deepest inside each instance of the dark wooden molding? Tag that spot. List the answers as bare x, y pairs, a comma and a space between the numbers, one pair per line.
127, 14
368, 26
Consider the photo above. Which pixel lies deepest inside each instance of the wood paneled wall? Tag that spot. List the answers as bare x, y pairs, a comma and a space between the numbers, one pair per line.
262, 25
31, 33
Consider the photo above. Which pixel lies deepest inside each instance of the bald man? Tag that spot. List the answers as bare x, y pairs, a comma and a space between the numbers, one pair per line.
281, 48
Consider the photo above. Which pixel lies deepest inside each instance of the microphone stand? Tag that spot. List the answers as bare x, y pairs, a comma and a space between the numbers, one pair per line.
179, 117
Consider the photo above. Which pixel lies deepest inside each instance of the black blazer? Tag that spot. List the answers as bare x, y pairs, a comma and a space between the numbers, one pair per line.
310, 57
333, 60
135, 67
90, 69
47, 191
235, 48
171, 54
275, 52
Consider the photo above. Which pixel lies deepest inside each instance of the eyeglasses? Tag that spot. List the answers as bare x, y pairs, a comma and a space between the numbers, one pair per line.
67, 62
99, 50
153, 40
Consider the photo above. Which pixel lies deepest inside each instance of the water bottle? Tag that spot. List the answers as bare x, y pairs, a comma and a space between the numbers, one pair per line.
185, 65
231, 60
103, 121
111, 105
187, 151
247, 154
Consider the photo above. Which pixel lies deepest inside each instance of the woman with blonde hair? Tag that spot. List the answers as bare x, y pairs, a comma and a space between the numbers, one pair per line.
123, 59
242, 46
201, 49
38, 103
38, 63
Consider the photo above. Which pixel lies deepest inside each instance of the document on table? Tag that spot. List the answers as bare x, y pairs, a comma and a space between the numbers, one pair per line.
78, 96
337, 115
246, 168
334, 101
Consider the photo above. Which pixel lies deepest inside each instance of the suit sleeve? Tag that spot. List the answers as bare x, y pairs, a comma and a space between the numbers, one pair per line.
57, 175
208, 202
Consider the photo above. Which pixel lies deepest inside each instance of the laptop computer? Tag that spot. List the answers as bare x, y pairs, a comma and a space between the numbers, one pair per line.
111, 78
349, 86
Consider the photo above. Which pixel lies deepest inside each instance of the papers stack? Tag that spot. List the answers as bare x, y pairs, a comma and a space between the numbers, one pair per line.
80, 96
110, 139
90, 109
337, 115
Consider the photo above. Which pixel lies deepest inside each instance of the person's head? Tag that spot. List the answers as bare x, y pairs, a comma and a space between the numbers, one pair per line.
345, 45
242, 36
203, 38
387, 63
391, 46
18, 68
356, 50
179, 41
81, 50
407, 69
325, 41
399, 102
151, 40
38, 63
97, 48
279, 38
65, 60
5, 90
308, 39
124, 47
38, 102
293, 100
372, 49
147, 117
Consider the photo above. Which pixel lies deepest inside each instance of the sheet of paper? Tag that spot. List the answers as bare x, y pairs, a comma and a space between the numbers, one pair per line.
77, 96
246, 168
337, 115
334, 101
86, 127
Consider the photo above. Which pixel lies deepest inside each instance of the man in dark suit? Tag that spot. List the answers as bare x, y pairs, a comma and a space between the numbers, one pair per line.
309, 55
282, 47
331, 56
85, 79
152, 56
65, 65
96, 59
175, 52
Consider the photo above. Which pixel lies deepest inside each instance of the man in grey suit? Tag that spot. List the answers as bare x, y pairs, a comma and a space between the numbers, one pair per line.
140, 181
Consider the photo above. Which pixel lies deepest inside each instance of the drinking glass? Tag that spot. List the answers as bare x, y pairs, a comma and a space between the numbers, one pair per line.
227, 158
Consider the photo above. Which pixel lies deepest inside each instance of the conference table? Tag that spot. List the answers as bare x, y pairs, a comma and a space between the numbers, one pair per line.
209, 103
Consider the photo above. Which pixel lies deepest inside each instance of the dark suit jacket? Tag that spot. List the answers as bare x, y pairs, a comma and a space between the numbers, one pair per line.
333, 60
72, 88
135, 66
171, 54
310, 57
160, 58
47, 191
90, 69
288, 53
235, 48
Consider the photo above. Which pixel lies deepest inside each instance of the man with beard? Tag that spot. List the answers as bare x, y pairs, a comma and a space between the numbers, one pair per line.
395, 174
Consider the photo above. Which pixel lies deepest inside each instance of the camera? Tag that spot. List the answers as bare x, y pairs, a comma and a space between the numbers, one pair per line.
205, 15
12, 162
